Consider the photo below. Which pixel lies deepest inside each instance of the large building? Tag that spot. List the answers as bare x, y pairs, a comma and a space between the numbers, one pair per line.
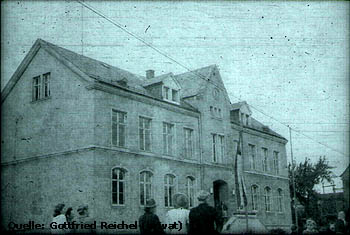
79, 131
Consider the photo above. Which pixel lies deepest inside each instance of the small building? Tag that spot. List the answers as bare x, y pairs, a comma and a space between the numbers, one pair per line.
345, 178
79, 131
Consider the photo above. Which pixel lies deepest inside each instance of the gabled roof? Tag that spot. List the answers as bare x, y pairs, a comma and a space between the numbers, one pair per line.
192, 83
88, 69
97, 69
255, 124
239, 105
156, 80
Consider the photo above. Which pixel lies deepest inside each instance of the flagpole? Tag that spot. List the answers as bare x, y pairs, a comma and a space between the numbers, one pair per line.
293, 181
245, 206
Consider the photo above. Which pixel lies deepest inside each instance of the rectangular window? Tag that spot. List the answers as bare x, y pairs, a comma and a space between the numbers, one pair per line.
174, 95
190, 190
276, 162
36, 88
46, 85
221, 148
218, 147
168, 137
252, 157
118, 186
118, 128
166, 93
41, 87
214, 148
145, 133
169, 190
188, 142
264, 159
145, 186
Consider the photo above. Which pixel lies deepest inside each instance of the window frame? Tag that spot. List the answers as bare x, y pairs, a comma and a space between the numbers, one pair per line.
276, 162
188, 138
218, 147
41, 87
144, 130
267, 199
36, 88
252, 152
169, 190
280, 200
46, 81
190, 190
255, 197
124, 124
144, 184
265, 159
124, 182
168, 146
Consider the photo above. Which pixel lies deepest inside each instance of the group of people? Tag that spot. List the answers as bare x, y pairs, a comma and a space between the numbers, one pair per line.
202, 219
340, 226
62, 216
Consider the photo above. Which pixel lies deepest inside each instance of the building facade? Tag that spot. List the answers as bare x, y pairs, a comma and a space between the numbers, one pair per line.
79, 131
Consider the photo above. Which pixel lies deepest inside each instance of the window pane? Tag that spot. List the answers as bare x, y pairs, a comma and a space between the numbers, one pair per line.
142, 143
148, 191
147, 124
148, 140
121, 135
114, 198
114, 186
142, 194
121, 175
164, 143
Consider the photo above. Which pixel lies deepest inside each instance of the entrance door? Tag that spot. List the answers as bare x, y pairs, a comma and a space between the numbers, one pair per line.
220, 192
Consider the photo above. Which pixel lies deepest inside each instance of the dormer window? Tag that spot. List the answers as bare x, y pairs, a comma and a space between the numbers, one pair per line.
245, 119
166, 93
174, 95
170, 94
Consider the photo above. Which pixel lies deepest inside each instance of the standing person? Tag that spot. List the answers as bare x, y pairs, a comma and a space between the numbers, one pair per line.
180, 213
58, 218
220, 215
203, 218
340, 225
149, 221
84, 218
69, 215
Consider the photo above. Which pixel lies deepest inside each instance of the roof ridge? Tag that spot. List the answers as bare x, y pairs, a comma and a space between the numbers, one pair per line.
191, 71
54, 47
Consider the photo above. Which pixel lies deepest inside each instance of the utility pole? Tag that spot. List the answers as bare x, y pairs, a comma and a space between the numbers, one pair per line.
293, 181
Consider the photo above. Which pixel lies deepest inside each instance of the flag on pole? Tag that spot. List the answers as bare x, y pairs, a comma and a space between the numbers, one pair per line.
237, 184
244, 195
240, 189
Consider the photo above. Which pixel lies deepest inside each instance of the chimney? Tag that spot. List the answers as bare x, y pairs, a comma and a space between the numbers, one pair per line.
149, 74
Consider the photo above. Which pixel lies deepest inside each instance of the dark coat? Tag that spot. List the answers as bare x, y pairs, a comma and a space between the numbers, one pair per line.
150, 224
340, 227
202, 219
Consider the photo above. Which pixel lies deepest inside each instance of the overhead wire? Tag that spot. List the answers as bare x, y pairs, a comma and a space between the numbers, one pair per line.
197, 74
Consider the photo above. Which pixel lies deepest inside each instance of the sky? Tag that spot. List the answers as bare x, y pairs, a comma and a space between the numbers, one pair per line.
288, 59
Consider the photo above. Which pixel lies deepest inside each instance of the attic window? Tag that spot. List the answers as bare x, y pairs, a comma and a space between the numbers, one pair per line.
41, 87
105, 65
174, 95
170, 94
245, 119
